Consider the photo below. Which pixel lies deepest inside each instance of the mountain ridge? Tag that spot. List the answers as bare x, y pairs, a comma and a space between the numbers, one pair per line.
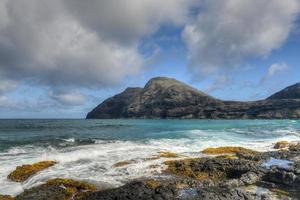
290, 92
164, 97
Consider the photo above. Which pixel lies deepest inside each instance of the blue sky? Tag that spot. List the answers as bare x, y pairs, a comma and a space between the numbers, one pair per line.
60, 59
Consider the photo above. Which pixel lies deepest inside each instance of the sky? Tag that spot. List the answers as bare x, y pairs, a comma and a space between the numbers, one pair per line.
61, 58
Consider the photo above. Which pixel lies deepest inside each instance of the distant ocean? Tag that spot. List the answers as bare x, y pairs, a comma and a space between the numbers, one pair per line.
87, 149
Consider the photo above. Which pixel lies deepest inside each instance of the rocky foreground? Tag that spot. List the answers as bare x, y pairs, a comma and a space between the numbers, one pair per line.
226, 173
168, 98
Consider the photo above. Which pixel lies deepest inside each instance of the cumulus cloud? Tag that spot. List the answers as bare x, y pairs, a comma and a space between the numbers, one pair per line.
7, 85
277, 67
219, 83
81, 43
68, 98
273, 70
39, 40
226, 32
125, 21
5, 101
96, 43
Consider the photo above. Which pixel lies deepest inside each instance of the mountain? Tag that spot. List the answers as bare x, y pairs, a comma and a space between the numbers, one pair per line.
291, 92
168, 98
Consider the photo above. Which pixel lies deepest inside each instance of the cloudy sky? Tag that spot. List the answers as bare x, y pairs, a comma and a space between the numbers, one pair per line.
60, 58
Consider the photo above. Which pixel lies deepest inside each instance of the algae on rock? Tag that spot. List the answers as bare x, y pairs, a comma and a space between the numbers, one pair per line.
22, 173
228, 150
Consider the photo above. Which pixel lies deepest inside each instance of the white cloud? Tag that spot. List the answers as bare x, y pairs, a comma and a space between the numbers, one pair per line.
127, 20
4, 101
7, 103
226, 32
92, 43
79, 43
68, 98
273, 70
7, 85
41, 41
221, 82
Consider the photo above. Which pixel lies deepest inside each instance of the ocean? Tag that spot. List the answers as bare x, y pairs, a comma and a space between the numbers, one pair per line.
88, 149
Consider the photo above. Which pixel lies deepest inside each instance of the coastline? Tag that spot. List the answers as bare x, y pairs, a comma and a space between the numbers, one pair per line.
114, 153
231, 171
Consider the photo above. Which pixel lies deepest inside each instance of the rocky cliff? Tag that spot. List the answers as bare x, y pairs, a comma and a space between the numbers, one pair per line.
168, 98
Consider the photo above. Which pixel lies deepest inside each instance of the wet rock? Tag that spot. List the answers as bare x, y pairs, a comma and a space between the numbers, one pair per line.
264, 156
284, 164
122, 163
295, 147
188, 193
231, 194
281, 145
58, 189
243, 174
133, 191
23, 172
45, 192
250, 178
217, 169
282, 176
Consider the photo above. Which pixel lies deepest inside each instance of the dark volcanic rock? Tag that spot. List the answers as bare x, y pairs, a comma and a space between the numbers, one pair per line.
58, 189
231, 194
43, 192
139, 190
227, 177
291, 92
169, 98
134, 190
115, 107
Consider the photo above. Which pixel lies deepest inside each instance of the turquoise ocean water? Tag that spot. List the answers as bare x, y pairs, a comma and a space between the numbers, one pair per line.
87, 149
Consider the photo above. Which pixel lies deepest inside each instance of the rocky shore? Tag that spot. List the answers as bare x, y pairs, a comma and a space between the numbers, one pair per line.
224, 173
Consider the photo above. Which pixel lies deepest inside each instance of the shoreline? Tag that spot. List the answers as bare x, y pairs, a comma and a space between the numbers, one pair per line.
173, 178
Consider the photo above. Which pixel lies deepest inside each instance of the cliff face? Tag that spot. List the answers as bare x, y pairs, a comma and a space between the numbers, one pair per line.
168, 98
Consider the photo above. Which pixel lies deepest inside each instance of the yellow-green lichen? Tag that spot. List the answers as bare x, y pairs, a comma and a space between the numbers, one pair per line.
74, 190
122, 163
228, 150
153, 184
280, 192
281, 145
22, 173
185, 169
70, 183
164, 154
167, 154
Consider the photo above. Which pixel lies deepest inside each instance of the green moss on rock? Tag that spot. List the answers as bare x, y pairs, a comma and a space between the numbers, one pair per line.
281, 145
122, 163
22, 173
72, 184
228, 150
153, 184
